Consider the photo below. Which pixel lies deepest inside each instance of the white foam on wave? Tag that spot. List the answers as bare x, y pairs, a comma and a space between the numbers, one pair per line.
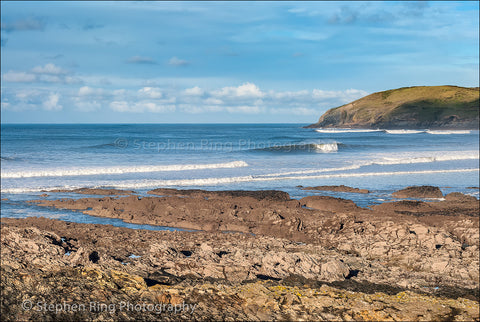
438, 157
404, 131
339, 130
448, 132
326, 147
473, 155
121, 170
306, 146
227, 180
369, 174
215, 181
444, 132
352, 167
39, 189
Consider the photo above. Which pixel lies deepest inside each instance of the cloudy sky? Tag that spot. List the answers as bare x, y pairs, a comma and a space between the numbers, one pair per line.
183, 62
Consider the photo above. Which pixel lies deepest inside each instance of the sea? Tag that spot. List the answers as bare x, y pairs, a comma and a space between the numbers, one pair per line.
37, 158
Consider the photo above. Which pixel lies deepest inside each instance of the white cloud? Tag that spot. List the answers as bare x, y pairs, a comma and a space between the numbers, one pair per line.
91, 99
213, 100
298, 95
27, 94
154, 107
196, 109
86, 91
50, 73
21, 99
19, 77
247, 90
175, 61
143, 106
247, 98
71, 80
51, 103
49, 69
58, 79
150, 92
122, 106
50, 79
194, 91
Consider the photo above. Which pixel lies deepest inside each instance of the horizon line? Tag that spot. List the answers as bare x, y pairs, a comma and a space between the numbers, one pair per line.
138, 123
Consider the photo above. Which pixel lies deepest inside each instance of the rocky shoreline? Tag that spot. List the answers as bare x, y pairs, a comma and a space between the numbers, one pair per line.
255, 255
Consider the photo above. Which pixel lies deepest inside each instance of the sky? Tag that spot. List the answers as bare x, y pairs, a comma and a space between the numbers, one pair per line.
224, 62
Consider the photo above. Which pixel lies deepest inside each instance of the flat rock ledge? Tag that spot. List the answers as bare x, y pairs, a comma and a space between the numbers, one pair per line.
340, 188
419, 192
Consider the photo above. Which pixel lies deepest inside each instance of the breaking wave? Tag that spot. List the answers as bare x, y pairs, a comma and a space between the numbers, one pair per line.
448, 132
347, 130
226, 180
404, 131
303, 147
441, 156
338, 130
121, 170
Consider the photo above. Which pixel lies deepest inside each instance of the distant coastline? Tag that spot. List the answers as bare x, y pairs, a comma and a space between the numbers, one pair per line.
420, 107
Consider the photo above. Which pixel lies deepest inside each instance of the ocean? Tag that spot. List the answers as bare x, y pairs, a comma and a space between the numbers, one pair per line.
141, 157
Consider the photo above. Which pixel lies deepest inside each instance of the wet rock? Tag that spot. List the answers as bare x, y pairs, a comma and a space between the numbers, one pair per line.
197, 193
419, 192
95, 191
457, 196
328, 203
340, 188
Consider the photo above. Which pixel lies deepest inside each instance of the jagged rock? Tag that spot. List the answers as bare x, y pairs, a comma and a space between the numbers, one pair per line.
328, 263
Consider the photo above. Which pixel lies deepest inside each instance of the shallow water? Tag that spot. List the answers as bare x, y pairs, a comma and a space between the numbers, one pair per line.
229, 156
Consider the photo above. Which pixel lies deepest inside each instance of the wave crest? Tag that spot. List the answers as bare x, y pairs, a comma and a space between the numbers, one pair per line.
347, 130
226, 180
339, 130
404, 131
121, 170
448, 132
303, 147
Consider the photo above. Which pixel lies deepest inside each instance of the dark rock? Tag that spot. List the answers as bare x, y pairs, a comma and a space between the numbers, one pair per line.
328, 203
457, 196
419, 192
340, 188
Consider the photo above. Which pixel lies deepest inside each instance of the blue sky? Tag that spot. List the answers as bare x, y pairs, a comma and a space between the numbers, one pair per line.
222, 62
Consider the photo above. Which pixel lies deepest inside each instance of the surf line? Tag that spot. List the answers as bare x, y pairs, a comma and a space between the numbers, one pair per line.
227, 180
123, 170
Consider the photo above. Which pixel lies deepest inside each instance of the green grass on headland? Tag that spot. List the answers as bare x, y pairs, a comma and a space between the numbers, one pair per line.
409, 107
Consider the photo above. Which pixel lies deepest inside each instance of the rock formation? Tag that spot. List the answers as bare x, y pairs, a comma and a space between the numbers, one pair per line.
420, 107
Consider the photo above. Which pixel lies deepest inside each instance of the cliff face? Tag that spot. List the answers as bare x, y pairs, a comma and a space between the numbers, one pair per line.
447, 107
